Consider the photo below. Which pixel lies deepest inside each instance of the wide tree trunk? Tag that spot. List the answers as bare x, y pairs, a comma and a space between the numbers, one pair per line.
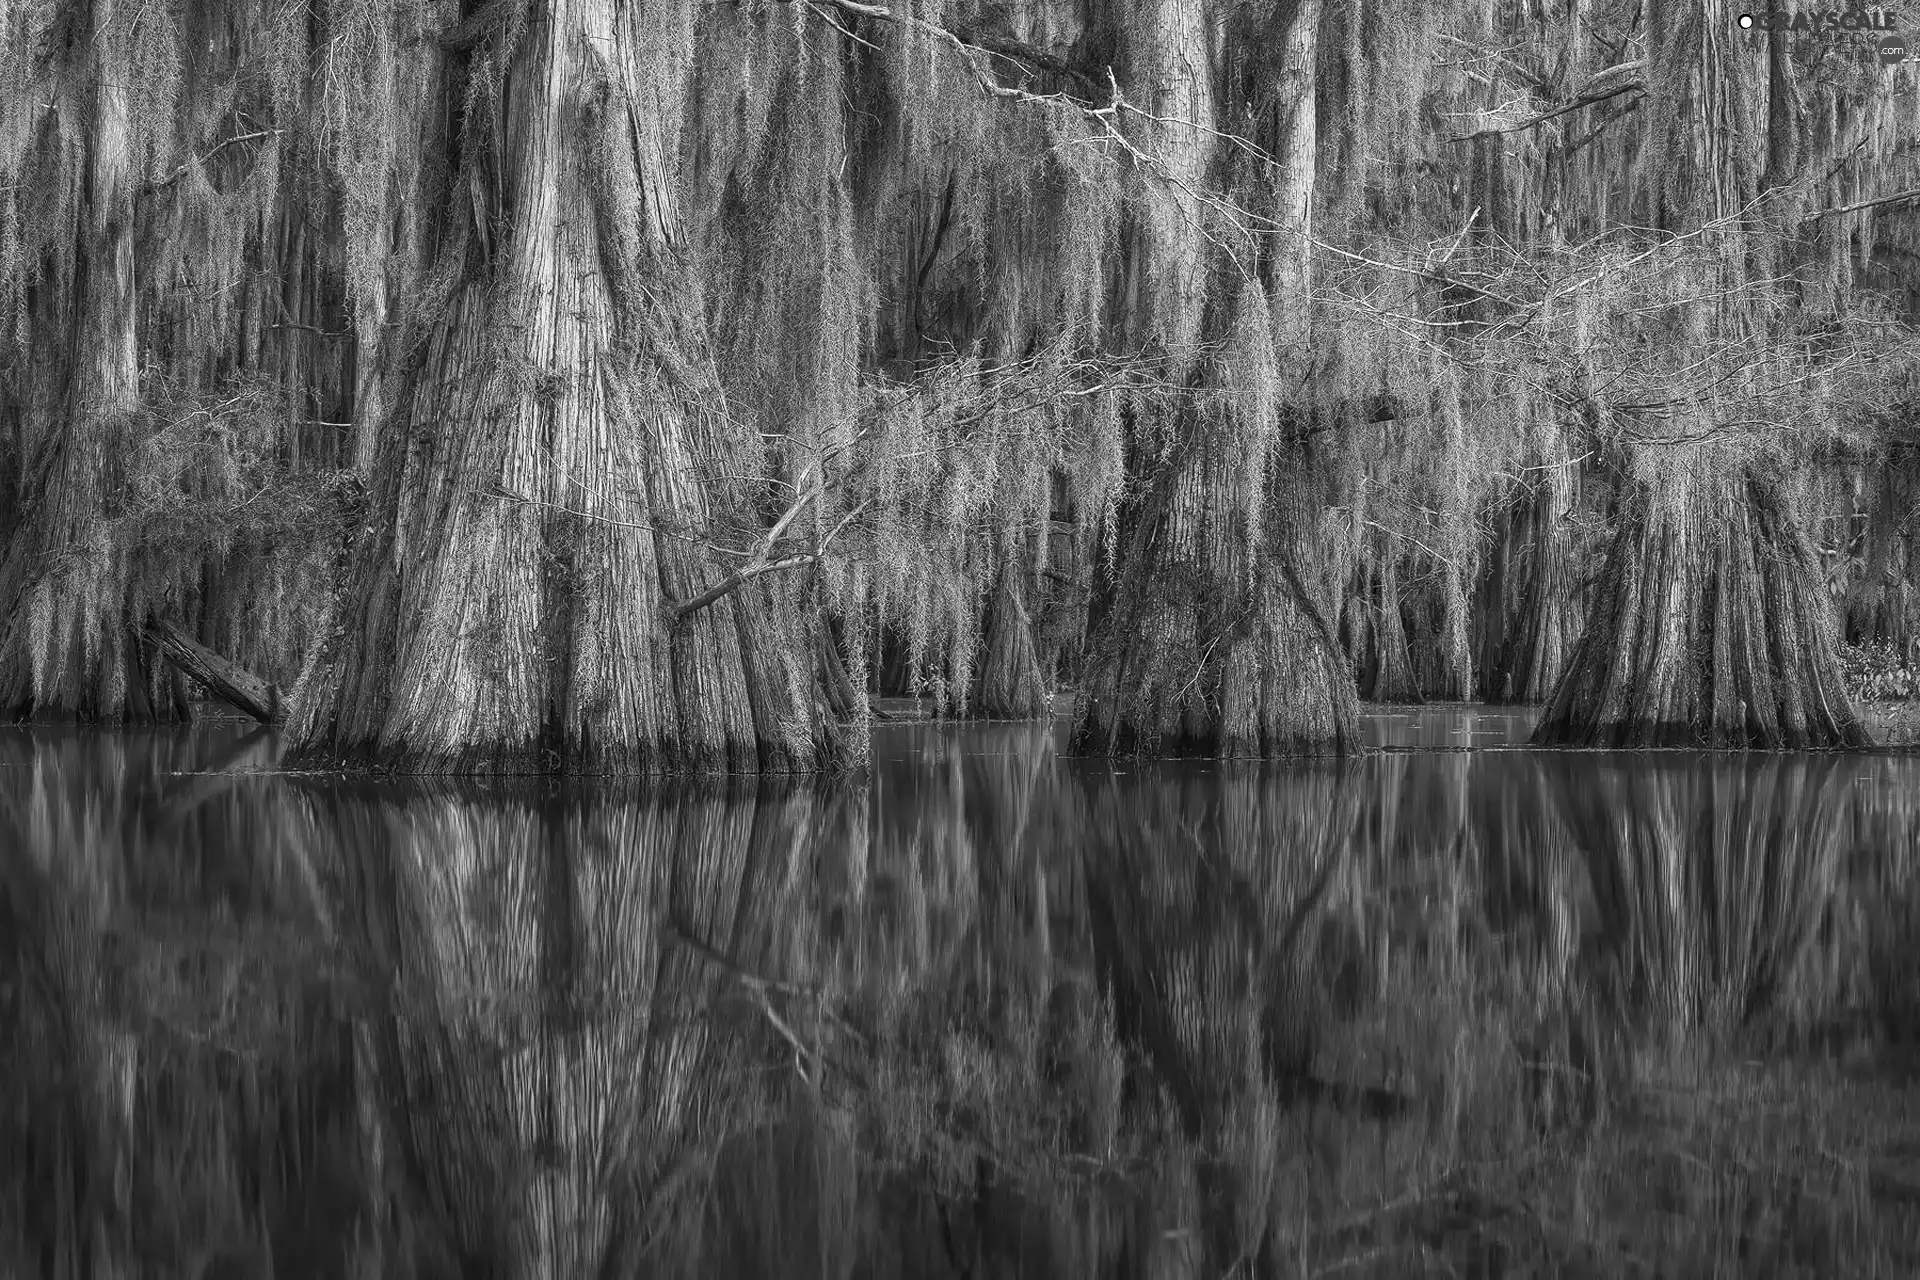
1543, 631
1011, 684
67, 651
1528, 605
1711, 626
1189, 658
547, 473
1206, 639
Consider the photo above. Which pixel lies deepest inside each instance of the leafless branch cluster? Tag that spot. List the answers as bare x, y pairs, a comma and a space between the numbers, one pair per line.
1642, 339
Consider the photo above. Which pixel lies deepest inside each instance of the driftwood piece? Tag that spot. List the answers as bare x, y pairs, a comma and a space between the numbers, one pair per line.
224, 679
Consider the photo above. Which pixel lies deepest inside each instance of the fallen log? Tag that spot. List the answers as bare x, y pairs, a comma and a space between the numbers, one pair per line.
224, 679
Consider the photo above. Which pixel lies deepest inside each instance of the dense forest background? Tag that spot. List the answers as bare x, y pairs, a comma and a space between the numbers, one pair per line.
594, 386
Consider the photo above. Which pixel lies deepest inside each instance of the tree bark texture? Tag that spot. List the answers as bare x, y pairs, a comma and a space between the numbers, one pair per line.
1011, 683
226, 680
1710, 627
1187, 661
1528, 608
544, 477
1545, 627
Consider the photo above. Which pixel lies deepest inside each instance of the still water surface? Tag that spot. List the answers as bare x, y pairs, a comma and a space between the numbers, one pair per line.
990, 1012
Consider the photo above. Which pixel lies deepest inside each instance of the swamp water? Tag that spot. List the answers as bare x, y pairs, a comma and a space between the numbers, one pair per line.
992, 1012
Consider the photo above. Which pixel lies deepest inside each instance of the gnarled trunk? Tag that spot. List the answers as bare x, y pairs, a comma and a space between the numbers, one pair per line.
551, 462
1711, 627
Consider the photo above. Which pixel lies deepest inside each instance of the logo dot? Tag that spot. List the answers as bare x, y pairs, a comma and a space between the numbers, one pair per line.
1746, 22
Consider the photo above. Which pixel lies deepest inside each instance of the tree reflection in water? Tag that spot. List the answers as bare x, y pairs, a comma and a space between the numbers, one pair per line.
988, 1012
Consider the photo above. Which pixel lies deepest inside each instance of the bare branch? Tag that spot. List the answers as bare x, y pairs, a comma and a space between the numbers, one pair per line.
764, 561
1611, 83
1896, 198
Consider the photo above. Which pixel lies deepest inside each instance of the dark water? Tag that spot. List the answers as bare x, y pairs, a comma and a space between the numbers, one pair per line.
992, 1013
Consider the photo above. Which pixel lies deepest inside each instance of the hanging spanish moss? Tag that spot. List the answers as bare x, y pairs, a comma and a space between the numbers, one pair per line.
179, 415
1210, 634
1228, 365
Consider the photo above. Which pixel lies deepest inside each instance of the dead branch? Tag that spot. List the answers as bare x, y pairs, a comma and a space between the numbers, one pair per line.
1039, 59
1611, 83
1896, 198
973, 54
765, 560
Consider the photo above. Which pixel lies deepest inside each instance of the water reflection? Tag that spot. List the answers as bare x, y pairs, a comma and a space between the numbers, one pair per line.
991, 1012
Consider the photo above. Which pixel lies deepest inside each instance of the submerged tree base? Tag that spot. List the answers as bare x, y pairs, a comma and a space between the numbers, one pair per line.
1710, 628
1195, 676
1011, 685
1210, 643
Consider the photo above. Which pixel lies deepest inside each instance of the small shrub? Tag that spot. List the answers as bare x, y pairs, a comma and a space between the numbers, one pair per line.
1876, 672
